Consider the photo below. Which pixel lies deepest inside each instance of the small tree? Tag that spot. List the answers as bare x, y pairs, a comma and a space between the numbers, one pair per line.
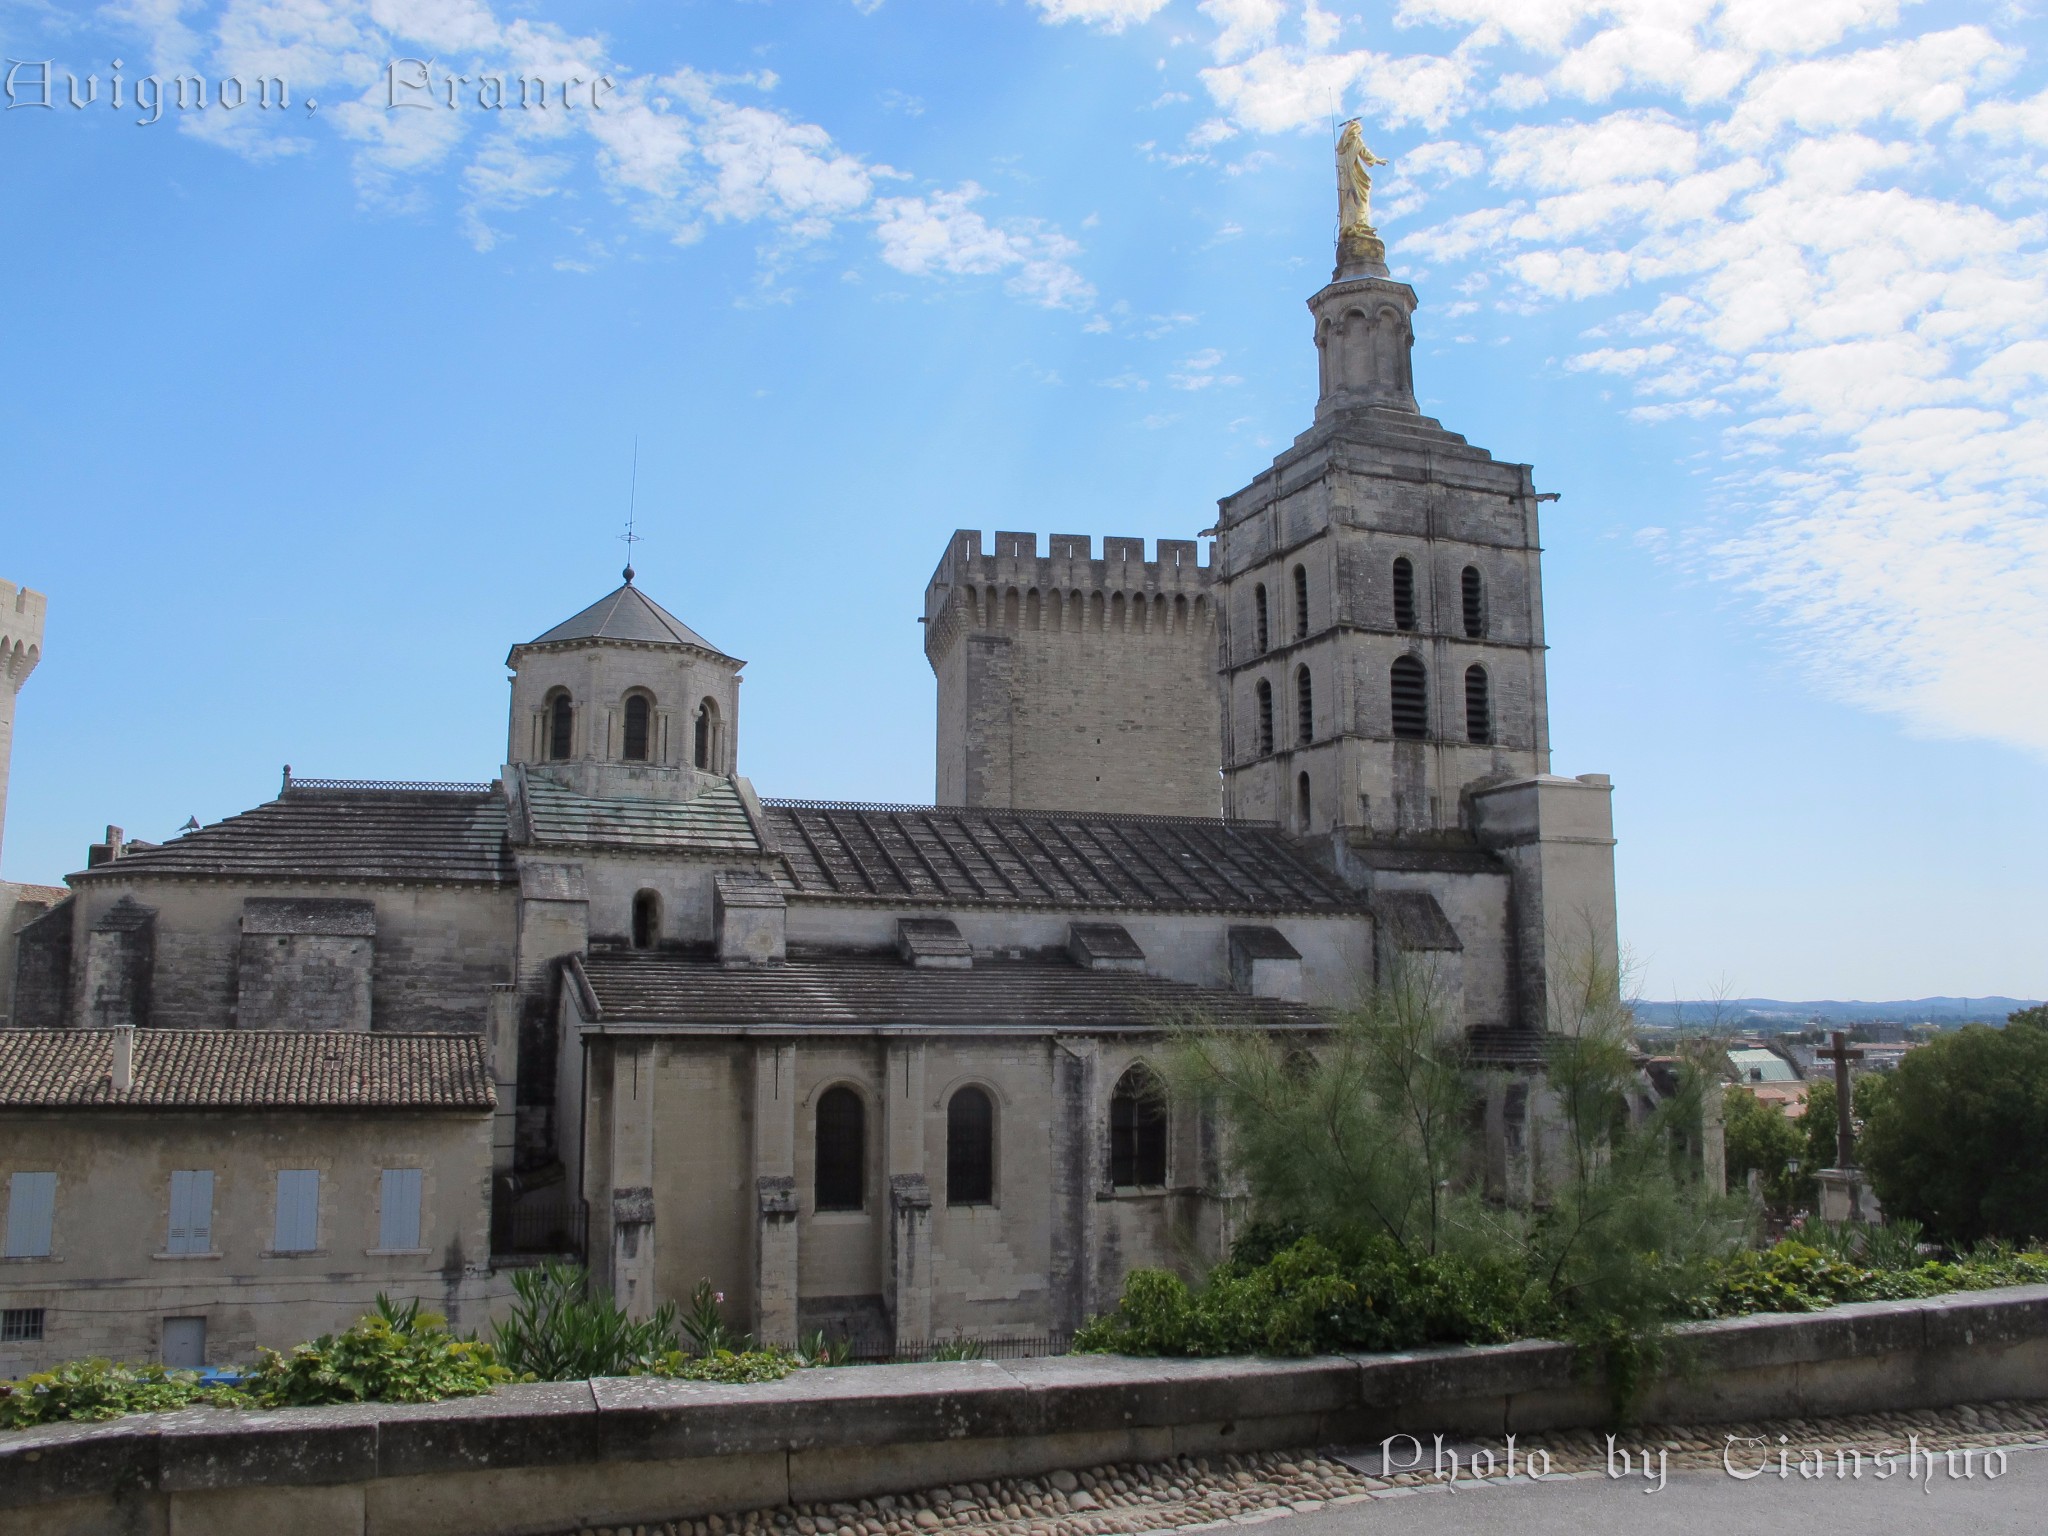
1959, 1142
1762, 1139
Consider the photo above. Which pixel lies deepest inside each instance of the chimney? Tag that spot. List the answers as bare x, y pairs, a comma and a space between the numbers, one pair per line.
124, 1057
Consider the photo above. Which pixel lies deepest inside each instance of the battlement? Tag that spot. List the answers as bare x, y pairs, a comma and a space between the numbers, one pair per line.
1068, 589
21, 632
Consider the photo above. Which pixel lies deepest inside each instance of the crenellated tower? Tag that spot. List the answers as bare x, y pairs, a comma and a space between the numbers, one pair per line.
1071, 683
21, 647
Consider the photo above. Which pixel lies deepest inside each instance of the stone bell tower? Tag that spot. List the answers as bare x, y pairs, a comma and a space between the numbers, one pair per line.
1380, 588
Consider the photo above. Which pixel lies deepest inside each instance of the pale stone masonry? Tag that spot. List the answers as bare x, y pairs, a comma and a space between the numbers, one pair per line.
22, 614
1071, 683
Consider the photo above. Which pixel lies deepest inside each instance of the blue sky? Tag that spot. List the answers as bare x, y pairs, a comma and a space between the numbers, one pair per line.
309, 414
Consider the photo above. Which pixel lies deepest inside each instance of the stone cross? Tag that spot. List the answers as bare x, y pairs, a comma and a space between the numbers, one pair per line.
1841, 1053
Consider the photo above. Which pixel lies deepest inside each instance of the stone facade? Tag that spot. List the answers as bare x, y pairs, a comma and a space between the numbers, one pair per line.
1074, 684
21, 648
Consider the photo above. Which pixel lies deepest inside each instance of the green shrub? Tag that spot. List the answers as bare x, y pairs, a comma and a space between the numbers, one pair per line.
393, 1355
557, 1330
102, 1389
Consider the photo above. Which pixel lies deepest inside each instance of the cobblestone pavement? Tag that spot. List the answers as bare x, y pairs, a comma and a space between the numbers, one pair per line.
1192, 1493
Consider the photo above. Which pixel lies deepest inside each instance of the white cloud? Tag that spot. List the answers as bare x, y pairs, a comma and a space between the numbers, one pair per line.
942, 233
677, 153
1200, 370
1109, 15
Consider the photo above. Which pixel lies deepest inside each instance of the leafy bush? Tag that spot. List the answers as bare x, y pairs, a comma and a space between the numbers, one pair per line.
1794, 1276
1957, 1143
393, 1355
558, 1331
102, 1389
1307, 1298
1761, 1139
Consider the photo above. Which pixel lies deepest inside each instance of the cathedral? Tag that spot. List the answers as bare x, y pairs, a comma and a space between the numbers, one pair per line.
881, 1070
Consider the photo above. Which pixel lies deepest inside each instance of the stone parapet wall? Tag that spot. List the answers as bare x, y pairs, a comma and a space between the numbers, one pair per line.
545, 1457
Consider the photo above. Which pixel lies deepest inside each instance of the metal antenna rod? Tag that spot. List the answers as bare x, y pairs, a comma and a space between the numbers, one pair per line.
629, 538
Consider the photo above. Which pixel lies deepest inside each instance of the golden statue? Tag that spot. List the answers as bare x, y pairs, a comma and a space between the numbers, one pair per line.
1354, 181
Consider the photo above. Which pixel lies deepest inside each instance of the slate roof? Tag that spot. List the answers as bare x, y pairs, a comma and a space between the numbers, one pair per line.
879, 991
245, 1069
715, 822
342, 834
977, 857
629, 615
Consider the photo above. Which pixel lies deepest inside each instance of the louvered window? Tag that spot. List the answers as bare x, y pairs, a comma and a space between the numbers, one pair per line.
1265, 718
1303, 803
1478, 706
1300, 602
970, 1148
298, 1211
841, 1151
1404, 593
1473, 586
1137, 1131
191, 1226
31, 1210
1304, 707
1409, 684
398, 1210
1259, 617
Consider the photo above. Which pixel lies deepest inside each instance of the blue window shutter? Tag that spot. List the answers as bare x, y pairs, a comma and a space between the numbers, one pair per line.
31, 1202
298, 1210
400, 1207
191, 1211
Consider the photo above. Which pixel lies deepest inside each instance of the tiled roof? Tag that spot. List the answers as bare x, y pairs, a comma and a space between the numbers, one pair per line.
952, 854
714, 822
353, 834
872, 991
627, 614
244, 1069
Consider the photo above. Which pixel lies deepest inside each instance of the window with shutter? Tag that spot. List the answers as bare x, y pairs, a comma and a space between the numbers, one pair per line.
31, 1203
191, 1211
399, 1224
298, 1211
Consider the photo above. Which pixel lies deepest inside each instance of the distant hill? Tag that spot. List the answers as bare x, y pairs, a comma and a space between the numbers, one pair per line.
1771, 1013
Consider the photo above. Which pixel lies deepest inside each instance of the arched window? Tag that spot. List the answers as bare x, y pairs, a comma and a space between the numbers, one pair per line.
1259, 614
1409, 684
1137, 1131
842, 1151
561, 727
1301, 602
646, 920
1473, 586
706, 736
1303, 805
1265, 718
1304, 707
970, 1148
1478, 707
1404, 593
639, 716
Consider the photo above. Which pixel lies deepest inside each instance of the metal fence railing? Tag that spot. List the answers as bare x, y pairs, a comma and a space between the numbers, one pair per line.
867, 1351
558, 1227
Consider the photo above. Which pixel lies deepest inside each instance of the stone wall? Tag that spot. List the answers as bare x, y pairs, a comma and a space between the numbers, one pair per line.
1070, 683
546, 1458
436, 953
